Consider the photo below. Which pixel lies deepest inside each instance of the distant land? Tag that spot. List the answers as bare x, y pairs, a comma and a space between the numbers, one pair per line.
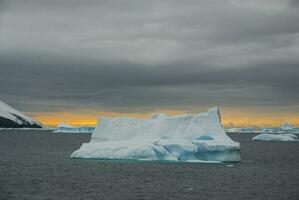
11, 118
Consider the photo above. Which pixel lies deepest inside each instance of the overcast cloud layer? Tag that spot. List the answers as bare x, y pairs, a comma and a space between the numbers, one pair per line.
135, 56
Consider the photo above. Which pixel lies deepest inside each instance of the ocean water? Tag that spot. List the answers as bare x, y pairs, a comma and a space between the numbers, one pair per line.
37, 165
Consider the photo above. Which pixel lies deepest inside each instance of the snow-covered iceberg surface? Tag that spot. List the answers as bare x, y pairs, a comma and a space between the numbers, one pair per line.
11, 118
275, 137
62, 128
178, 138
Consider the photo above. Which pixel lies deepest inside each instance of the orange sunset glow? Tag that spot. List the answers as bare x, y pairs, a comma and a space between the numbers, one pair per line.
229, 118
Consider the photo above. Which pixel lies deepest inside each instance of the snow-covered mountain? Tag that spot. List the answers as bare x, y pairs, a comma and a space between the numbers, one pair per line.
11, 118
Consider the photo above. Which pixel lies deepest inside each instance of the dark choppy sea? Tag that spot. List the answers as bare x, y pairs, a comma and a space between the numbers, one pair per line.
37, 165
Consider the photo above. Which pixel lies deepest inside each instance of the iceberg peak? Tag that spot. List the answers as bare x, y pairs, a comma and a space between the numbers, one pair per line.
286, 126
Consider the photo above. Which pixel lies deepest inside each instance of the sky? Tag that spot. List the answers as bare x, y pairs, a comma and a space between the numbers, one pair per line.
71, 60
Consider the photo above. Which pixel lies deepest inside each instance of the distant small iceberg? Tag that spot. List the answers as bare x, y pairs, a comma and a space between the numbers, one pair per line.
63, 128
243, 130
271, 130
275, 137
285, 128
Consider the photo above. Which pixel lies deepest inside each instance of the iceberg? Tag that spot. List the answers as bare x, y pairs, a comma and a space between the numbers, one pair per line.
270, 130
286, 126
295, 130
275, 137
243, 130
62, 128
187, 138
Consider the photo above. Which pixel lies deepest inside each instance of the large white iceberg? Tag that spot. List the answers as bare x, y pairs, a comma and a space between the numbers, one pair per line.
275, 137
199, 137
62, 128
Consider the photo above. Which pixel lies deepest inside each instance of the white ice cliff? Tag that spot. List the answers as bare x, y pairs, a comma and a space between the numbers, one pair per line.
199, 137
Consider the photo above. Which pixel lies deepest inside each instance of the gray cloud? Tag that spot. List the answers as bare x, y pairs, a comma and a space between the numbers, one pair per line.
143, 55
294, 3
